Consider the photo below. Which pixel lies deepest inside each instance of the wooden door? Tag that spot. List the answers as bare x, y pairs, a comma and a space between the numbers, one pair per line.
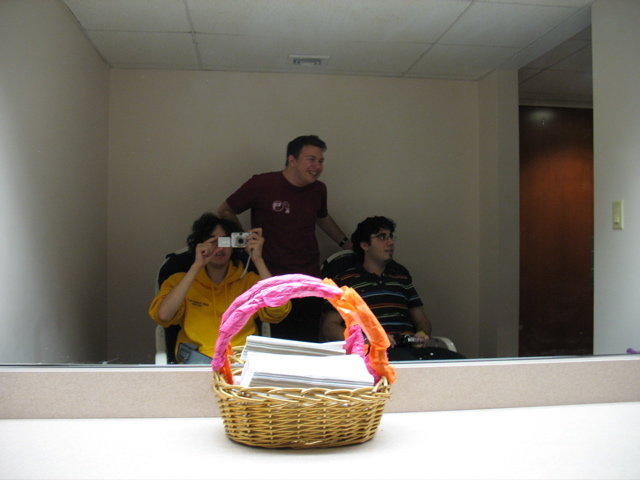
556, 231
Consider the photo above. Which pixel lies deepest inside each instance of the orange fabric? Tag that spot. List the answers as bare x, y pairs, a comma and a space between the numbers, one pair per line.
226, 367
355, 311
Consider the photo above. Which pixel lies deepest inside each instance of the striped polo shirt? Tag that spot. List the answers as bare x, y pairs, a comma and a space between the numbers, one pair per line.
389, 296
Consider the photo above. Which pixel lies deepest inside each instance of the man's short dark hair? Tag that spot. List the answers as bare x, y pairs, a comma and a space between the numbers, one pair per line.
203, 226
294, 147
366, 229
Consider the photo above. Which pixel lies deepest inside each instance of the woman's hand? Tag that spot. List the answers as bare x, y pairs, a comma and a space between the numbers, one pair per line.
255, 241
206, 250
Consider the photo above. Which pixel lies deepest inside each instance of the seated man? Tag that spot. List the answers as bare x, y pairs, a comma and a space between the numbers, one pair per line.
196, 299
388, 290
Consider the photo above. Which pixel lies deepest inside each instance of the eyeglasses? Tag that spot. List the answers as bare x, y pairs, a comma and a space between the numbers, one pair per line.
383, 237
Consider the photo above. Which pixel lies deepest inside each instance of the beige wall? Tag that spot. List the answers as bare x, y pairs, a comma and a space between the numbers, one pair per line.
53, 188
616, 117
499, 209
180, 142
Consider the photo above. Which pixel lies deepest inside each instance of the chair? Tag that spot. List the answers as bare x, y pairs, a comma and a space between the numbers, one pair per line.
166, 337
344, 259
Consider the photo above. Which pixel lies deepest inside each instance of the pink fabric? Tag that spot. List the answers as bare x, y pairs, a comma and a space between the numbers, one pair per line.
271, 292
355, 341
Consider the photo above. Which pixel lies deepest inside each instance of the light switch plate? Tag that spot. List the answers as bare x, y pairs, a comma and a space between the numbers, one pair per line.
618, 215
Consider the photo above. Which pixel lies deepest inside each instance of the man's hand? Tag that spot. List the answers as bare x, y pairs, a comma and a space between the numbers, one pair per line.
225, 211
421, 340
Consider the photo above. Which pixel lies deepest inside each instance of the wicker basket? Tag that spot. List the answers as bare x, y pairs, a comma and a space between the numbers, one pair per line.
294, 417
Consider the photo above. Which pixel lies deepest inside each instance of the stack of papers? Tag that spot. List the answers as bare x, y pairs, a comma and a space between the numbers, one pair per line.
255, 343
304, 371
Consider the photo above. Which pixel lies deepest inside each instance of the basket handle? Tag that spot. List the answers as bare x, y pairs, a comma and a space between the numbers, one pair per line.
276, 291
355, 311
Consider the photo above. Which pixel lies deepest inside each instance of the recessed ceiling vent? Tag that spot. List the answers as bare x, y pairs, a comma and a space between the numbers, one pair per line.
313, 61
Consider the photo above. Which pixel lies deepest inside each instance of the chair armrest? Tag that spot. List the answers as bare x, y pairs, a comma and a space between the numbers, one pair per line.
161, 346
443, 342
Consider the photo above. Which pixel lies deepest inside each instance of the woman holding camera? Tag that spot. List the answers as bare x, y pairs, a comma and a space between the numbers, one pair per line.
196, 299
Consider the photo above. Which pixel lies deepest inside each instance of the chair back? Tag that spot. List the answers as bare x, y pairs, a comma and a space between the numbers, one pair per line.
338, 262
175, 262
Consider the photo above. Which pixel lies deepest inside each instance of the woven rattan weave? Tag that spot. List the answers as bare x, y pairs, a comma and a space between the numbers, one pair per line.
298, 418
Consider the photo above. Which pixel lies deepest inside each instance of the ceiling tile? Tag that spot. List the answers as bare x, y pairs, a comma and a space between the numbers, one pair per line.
145, 48
375, 57
584, 35
355, 20
131, 15
580, 61
259, 53
468, 61
526, 73
507, 25
547, 3
562, 51
560, 83
236, 51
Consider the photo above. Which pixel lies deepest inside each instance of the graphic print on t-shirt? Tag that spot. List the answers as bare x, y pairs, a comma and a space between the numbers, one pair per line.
281, 206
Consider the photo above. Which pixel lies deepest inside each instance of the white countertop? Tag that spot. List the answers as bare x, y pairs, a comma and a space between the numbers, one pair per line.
576, 441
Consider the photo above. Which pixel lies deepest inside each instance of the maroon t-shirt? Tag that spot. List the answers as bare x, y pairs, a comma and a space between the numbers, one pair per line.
287, 215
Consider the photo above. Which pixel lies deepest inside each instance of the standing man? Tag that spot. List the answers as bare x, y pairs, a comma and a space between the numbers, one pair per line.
288, 205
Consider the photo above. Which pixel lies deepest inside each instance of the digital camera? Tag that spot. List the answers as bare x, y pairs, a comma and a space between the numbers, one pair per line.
237, 240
